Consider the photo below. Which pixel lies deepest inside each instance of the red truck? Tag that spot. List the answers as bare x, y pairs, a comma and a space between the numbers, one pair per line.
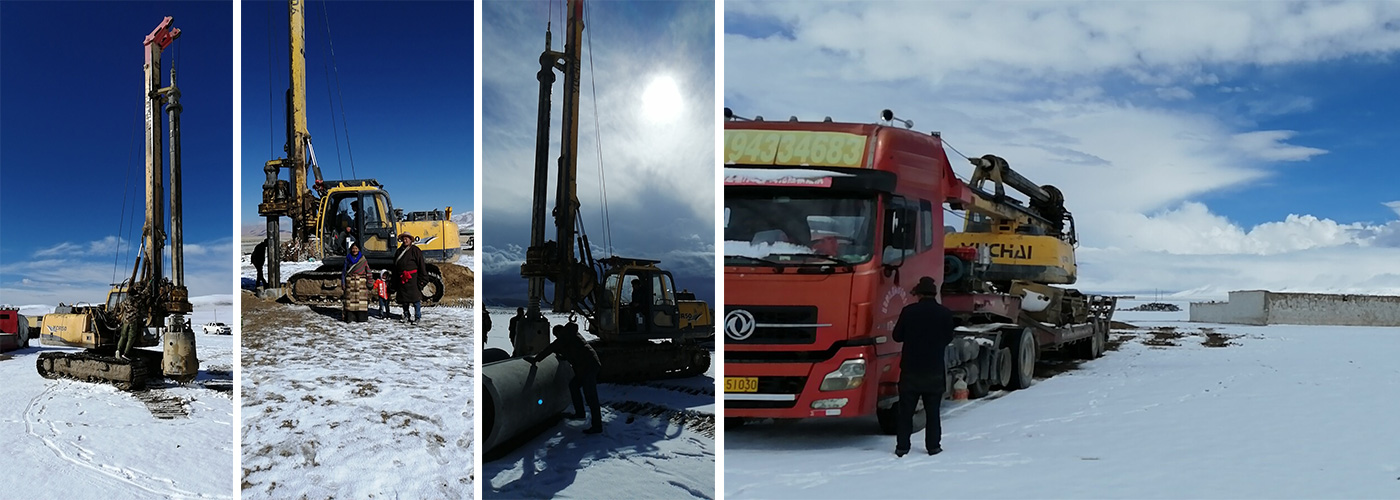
827, 227
14, 329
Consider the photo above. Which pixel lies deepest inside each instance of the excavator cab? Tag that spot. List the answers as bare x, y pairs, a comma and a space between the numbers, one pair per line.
639, 301
360, 213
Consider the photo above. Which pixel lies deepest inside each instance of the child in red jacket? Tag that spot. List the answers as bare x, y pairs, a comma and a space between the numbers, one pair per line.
381, 289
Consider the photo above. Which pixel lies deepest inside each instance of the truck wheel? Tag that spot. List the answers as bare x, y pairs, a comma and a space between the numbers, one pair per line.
1096, 346
1023, 357
1003, 363
979, 389
1090, 347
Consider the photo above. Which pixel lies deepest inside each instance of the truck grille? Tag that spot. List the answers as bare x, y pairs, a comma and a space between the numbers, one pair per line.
771, 324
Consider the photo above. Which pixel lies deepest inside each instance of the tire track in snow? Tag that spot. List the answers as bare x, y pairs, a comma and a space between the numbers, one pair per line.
703, 423
128, 476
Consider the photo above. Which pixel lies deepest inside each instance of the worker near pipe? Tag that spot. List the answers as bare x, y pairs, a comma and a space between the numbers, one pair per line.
259, 258
513, 327
571, 347
926, 328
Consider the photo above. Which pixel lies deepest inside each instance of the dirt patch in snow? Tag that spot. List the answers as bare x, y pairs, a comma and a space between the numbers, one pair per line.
1218, 339
1050, 367
458, 284
1163, 336
1116, 340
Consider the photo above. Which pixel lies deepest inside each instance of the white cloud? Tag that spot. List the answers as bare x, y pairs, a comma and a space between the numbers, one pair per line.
931, 40
1347, 269
109, 245
1191, 229
1174, 94
502, 260
84, 272
1268, 145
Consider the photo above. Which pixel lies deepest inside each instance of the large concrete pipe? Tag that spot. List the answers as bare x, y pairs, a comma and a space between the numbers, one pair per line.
520, 396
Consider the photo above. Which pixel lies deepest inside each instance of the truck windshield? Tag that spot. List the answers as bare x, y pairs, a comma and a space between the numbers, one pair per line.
778, 228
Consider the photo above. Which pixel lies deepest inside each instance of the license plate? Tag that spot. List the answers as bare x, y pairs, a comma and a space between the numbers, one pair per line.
740, 384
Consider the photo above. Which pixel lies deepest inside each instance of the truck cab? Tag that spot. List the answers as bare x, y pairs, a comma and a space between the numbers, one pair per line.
826, 225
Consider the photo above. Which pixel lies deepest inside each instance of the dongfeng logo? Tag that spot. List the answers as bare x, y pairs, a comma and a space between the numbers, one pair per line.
739, 324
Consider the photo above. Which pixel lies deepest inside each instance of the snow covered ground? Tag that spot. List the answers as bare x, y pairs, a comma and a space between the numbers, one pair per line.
67, 439
1279, 412
658, 442
357, 410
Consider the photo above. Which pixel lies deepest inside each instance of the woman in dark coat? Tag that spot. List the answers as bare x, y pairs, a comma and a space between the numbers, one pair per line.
411, 270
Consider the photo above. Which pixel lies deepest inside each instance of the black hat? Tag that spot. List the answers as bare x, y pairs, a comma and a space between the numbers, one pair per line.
925, 287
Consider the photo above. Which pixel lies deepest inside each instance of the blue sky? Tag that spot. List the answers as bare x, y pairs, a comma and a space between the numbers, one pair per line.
1203, 146
405, 73
71, 144
653, 64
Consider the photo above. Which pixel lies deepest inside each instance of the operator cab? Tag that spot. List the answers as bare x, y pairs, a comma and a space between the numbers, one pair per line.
360, 214
644, 297
115, 297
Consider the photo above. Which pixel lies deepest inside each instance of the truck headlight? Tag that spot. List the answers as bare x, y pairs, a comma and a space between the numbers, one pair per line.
849, 375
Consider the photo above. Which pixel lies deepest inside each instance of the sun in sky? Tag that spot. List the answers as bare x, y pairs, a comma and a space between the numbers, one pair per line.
661, 100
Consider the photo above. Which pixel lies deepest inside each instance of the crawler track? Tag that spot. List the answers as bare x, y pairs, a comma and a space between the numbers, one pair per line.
89, 366
626, 362
322, 287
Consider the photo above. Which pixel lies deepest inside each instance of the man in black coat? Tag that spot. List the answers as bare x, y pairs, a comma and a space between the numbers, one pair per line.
514, 324
926, 328
259, 257
412, 270
486, 316
571, 346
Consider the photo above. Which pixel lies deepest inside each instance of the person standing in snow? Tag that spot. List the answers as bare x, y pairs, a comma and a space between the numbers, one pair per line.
259, 257
487, 315
381, 292
354, 280
926, 328
408, 261
571, 346
511, 328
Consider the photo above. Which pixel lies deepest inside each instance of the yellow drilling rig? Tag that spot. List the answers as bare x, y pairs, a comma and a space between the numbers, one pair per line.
158, 301
328, 215
646, 327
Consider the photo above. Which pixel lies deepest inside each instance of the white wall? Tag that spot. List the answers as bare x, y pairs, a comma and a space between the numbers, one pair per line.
1258, 307
1320, 309
1244, 307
